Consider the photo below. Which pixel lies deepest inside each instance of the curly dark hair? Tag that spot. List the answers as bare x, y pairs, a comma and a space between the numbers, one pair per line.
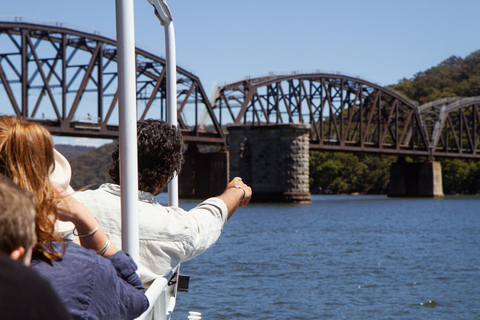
159, 155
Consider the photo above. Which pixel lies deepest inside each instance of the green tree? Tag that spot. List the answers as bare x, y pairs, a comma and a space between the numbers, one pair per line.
336, 172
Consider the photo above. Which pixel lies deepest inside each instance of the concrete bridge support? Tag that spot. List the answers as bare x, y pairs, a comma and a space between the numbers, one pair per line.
272, 159
415, 179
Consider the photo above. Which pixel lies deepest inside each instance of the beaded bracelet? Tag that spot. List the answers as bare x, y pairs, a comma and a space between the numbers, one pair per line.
244, 192
105, 247
75, 232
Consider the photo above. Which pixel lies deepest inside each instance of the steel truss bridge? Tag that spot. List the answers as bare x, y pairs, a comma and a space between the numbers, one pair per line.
66, 80
351, 114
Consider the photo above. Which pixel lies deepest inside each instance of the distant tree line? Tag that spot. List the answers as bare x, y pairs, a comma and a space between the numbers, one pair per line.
337, 172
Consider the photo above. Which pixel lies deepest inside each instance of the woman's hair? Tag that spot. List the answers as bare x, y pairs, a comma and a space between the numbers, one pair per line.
26, 157
159, 155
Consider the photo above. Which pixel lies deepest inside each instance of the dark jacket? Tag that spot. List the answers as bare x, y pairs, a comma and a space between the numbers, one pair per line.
93, 287
25, 295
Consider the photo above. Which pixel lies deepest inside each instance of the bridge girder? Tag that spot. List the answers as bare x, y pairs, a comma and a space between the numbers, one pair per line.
452, 126
66, 80
345, 113
351, 114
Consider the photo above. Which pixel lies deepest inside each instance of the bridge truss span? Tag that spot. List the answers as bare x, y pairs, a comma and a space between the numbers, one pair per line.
453, 126
345, 113
66, 80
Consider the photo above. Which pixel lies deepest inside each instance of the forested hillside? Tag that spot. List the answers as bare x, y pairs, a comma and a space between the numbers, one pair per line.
91, 169
338, 172
454, 77
349, 173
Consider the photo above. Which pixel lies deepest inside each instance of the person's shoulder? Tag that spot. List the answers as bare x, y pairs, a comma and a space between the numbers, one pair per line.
74, 254
106, 190
74, 250
15, 271
105, 187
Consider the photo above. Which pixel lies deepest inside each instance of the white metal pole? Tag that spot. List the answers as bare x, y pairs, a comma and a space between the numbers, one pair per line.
127, 103
164, 15
171, 98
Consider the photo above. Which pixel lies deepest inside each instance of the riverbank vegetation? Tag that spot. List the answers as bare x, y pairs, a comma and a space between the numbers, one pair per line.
347, 173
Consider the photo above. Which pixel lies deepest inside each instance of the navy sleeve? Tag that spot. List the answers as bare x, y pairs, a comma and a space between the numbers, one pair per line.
93, 287
126, 267
123, 289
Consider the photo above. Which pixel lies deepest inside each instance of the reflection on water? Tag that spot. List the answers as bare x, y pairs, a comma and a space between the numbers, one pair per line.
341, 257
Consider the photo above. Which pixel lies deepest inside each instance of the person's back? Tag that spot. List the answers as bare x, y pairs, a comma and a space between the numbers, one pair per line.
89, 286
168, 235
25, 295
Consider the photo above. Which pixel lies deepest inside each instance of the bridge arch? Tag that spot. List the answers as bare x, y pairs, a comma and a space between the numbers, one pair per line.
66, 80
345, 113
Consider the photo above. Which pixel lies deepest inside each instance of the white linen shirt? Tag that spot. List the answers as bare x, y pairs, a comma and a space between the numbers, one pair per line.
168, 235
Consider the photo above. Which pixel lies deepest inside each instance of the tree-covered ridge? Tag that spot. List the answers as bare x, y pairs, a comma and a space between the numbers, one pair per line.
91, 169
454, 77
337, 172
70, 152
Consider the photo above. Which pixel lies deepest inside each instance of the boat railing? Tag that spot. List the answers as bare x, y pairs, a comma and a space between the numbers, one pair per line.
161, 296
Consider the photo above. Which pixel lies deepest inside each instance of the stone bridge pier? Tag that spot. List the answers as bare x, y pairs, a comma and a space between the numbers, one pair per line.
272, 159
408, 179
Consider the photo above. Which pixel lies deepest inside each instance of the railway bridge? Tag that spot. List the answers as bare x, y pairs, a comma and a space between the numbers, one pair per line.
262, 128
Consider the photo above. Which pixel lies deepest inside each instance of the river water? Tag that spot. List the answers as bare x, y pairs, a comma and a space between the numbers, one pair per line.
341, 257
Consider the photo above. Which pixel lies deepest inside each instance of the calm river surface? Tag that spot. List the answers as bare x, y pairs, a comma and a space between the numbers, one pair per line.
341, 257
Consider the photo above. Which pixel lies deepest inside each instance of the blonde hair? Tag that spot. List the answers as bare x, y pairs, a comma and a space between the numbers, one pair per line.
26, 157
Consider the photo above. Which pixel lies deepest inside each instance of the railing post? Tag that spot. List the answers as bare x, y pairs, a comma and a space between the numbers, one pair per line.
164, 15
127, 103
171, 97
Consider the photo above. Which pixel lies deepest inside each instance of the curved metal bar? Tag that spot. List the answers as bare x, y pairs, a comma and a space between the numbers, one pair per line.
165, 16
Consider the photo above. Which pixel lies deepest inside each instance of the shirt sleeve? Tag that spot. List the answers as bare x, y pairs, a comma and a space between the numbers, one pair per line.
204, 224
126, 267
127, 294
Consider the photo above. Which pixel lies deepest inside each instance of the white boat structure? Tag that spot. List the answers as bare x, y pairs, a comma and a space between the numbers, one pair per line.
161, 295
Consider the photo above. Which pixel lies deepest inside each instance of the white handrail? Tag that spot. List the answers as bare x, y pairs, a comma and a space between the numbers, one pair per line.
162, 301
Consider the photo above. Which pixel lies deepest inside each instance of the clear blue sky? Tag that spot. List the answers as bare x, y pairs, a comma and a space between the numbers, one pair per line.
381, 41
